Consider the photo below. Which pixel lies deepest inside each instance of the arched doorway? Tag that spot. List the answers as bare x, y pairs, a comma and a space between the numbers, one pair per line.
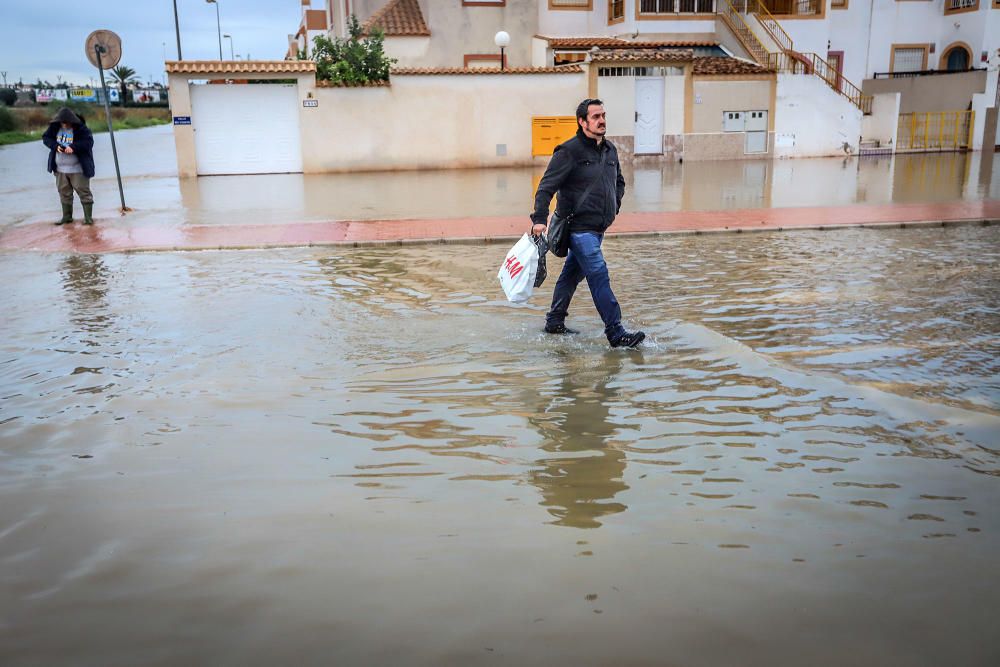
956, 58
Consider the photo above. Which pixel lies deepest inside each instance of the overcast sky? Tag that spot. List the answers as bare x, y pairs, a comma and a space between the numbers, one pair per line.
46, 40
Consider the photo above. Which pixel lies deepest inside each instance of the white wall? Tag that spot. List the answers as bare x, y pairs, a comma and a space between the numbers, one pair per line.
813, 120
849, 33
808, 35
883, 122
434, 121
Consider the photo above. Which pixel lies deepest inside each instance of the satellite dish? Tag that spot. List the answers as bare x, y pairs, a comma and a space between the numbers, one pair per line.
110, 46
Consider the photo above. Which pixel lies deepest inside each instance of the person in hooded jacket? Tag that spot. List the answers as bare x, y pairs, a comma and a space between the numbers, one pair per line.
585, 172
71, 159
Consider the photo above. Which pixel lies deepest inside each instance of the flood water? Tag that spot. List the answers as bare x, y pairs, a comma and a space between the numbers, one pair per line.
367, 456
158, 197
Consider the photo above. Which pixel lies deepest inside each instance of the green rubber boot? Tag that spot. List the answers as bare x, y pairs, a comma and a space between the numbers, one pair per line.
67, 214
88, 214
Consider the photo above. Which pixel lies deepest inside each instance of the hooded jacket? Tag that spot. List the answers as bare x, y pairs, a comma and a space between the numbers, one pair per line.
83, 141
574, 165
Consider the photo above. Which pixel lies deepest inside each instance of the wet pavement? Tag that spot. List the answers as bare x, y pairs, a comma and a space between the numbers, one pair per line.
295, 209
366, 456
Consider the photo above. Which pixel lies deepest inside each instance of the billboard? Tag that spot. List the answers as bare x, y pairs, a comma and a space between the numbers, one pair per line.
50, 94
83, 94
146, 96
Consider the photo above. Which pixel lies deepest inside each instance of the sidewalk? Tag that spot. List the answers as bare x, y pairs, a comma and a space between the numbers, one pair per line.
117, 235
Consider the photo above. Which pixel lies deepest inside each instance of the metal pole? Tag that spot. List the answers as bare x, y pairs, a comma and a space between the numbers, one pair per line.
111, 130
218, 26
501, 59
177, 27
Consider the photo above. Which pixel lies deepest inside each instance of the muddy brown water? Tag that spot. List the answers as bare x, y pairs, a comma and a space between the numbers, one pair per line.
366, 456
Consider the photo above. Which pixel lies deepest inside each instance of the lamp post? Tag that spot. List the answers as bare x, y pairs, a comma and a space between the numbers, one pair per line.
230, 38
218, 24
177, 28
502, 39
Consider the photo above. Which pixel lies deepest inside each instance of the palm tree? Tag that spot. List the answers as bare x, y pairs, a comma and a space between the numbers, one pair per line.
122, 75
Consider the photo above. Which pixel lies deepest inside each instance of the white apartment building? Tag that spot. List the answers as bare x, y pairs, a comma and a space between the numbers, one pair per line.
939, 56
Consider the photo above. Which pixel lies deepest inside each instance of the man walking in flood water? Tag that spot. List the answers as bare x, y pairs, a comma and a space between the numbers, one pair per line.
586, 174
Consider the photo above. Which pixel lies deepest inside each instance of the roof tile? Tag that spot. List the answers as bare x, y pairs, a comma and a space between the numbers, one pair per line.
644, 55
398, 18
565, 69
719, 66
617, 42
240, 66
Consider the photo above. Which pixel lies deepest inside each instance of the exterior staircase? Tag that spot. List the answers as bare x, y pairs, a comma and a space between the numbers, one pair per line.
767, 42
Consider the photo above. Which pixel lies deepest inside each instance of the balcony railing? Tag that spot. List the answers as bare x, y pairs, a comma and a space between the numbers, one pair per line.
925, 72
676, 7
955, 5
794, 7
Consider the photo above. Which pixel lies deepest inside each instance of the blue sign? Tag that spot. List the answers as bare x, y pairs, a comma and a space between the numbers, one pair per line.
182, 120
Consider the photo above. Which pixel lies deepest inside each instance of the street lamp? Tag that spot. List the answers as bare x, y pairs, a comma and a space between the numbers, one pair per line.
218, 24
230, 38
502, 39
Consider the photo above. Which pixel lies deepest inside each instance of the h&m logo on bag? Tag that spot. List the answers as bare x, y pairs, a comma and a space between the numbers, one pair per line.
512, 266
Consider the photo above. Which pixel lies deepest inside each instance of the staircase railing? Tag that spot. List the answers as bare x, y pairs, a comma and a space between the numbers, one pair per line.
810, 63
738, 25
788, 60
771, 26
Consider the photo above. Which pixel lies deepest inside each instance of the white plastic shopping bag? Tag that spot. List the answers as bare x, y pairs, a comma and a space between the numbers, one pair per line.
517, 273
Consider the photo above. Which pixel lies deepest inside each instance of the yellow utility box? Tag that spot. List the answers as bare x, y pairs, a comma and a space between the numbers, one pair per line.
547, 132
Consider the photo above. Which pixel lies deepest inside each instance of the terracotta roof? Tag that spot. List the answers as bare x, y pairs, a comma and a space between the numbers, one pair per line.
616, 42
645, 55
403, 71
240, 66
398, 18
718, 65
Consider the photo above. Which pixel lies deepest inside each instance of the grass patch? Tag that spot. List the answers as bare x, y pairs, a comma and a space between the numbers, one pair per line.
16, 137
97, 125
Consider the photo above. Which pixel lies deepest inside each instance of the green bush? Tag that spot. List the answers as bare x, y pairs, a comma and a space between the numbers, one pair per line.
355, 60
8, 122
8, 96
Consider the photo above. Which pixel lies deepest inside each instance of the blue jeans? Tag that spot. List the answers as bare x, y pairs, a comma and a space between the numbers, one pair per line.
585, 260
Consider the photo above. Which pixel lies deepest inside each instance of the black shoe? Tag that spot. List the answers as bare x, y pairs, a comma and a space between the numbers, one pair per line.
559, 329
628, 339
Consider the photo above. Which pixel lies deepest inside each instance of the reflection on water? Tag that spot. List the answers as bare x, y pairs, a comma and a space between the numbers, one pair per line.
581, 478
368, 456
159, 199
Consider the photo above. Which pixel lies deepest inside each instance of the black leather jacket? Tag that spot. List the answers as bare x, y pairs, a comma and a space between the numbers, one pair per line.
574, 165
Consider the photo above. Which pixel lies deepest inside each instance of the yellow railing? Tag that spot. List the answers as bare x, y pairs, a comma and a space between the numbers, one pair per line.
935, 131
734, 19
772, 26
810, 63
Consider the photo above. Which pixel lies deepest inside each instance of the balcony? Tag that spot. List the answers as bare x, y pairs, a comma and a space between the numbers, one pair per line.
959, 6
797, 8
667, 8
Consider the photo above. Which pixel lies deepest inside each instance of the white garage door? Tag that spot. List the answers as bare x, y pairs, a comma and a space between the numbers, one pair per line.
246, 129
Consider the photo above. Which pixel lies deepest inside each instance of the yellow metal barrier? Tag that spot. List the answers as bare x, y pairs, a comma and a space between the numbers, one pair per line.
935, 131
547, 132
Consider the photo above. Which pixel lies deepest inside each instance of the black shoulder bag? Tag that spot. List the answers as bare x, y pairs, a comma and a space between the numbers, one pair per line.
558, 235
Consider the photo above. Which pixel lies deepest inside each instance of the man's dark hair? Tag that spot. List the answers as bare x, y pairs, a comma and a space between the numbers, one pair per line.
581, 111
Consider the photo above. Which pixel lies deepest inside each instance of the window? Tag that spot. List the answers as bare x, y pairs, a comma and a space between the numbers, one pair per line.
838, 4
616, 11
957, 6
640, 71
656, 6
908, 58
956, 57
571, 4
